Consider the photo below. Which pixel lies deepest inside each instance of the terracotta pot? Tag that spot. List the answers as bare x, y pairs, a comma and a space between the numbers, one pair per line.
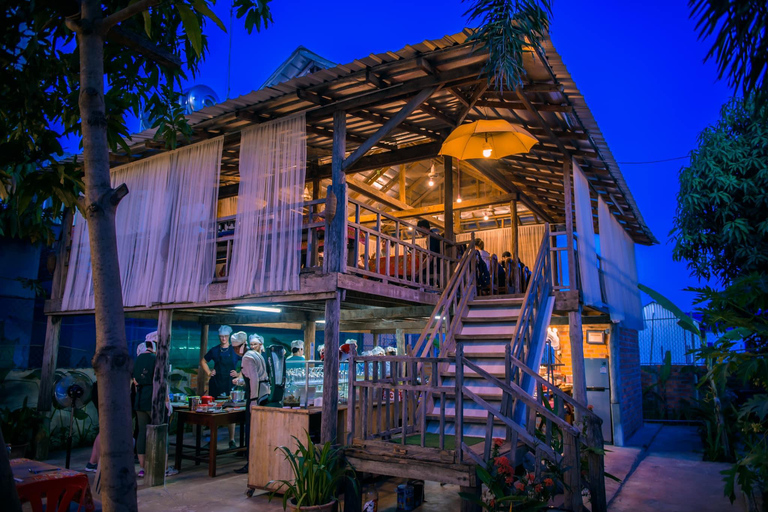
328, 507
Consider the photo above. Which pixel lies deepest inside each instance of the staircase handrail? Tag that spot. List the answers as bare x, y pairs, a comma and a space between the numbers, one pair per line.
551, 387
464, 273
539, 289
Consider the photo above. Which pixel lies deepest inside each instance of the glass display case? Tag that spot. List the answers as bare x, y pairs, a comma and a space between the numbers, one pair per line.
304, 383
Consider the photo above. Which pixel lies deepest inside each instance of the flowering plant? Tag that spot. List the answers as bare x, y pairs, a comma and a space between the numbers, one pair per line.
505, 489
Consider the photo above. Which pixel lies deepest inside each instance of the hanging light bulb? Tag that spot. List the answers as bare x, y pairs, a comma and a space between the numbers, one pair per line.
485, 216
431, 181
458, 182
458, 199
487, 148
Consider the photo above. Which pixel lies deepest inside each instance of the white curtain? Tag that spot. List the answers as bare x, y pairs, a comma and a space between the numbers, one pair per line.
499, 240
267, 241
585, 227
165, 230
194, 181
617, 251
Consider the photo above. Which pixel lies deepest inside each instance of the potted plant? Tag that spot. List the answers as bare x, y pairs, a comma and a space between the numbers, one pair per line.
19, 427
317, 473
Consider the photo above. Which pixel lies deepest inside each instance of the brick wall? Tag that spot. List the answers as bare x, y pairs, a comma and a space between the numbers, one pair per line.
631, 393
680, 391
590, 350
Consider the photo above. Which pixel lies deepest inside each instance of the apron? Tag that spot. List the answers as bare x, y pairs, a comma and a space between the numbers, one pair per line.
222, 382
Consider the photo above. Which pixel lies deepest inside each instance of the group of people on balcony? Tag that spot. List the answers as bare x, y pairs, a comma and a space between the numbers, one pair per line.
496, 276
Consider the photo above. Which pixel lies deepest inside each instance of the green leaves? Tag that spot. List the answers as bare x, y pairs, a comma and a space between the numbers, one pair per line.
722, 214
256, 12
508, 29
683, 320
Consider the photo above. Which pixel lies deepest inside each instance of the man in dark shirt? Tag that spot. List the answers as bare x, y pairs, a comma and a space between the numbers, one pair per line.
225, 361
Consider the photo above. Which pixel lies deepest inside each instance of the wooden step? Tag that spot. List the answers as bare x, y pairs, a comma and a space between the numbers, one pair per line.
483, 337
467, 419
496, 303
489, 319
503, 331
473, 351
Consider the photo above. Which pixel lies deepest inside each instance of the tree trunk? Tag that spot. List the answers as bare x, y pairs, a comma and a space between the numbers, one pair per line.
112, 360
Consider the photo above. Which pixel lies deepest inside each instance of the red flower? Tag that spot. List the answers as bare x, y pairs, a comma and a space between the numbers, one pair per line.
509, 480
549, 482
531, 477
520, 486
538, 488
591, 407
497, 442
502, 463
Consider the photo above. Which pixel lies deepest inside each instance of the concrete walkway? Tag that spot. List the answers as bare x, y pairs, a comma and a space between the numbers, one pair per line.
667, 474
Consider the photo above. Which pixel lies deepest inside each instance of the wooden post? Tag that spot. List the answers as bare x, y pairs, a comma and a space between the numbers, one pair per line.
572, 476
515, 277
157, 430
614, 376
448, 199
572, 279
335, 257
376, 338
202, 378
577, 357
593, 432
400, 339
329, 427
310, 328
401, 184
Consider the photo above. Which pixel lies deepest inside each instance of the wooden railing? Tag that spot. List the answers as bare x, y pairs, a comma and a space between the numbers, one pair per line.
536, 297
393, 253
391, 394
546, 432
445, 321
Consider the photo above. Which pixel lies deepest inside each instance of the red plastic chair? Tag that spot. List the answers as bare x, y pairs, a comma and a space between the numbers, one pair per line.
59, 494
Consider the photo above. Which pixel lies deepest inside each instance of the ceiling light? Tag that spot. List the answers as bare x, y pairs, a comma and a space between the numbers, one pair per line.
485, 216
487, 150
431, 182
260, 308
458, 199
319, 321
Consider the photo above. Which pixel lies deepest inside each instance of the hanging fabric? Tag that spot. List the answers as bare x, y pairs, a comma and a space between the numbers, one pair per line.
266, 249
499, 240
194, 181
165, 230
585, 227
617, 252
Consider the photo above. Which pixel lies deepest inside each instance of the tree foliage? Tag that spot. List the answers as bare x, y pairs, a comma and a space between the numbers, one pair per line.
508, 30
40, 86
721, 223
740, 47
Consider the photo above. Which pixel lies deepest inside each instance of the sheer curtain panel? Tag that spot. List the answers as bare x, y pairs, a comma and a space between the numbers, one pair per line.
585, 226
266, 248
499, 240
165, 230
617, 251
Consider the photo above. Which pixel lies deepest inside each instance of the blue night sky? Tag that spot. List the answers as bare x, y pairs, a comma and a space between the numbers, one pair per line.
638, 64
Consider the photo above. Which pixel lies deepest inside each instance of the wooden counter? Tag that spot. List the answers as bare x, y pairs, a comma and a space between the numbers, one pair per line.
272, 427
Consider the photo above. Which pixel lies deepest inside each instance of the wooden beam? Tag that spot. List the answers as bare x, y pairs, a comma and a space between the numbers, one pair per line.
448, 199
568, 206
401, 184
375, 194
388, 159
577, 356
328, 426
336, 244
350, 315
481, 88
388, 126
470, 204
310, 328
202, 378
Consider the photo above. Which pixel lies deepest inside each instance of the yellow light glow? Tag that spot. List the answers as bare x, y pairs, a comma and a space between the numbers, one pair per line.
458, 199
431, 182
487, 150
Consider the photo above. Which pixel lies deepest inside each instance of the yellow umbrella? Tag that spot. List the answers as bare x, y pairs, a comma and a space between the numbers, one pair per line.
487, 138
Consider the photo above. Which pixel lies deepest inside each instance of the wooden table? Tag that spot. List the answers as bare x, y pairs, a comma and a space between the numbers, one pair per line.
48, 476
213, 421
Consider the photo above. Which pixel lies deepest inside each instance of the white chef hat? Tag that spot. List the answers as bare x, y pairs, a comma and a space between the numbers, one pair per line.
391, 350
297, 344
225, 330
151, 336
321, 349
239, 338
255, 337
377, 351
141, 348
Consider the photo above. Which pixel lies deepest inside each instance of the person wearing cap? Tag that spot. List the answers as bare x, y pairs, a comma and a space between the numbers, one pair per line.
143, 373
295, 360
321, 352
225, 363
255, 380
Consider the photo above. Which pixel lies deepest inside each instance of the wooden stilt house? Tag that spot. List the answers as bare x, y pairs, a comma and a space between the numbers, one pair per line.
306, 195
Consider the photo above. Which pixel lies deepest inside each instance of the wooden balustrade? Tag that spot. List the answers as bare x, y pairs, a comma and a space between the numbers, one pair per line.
391, 250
